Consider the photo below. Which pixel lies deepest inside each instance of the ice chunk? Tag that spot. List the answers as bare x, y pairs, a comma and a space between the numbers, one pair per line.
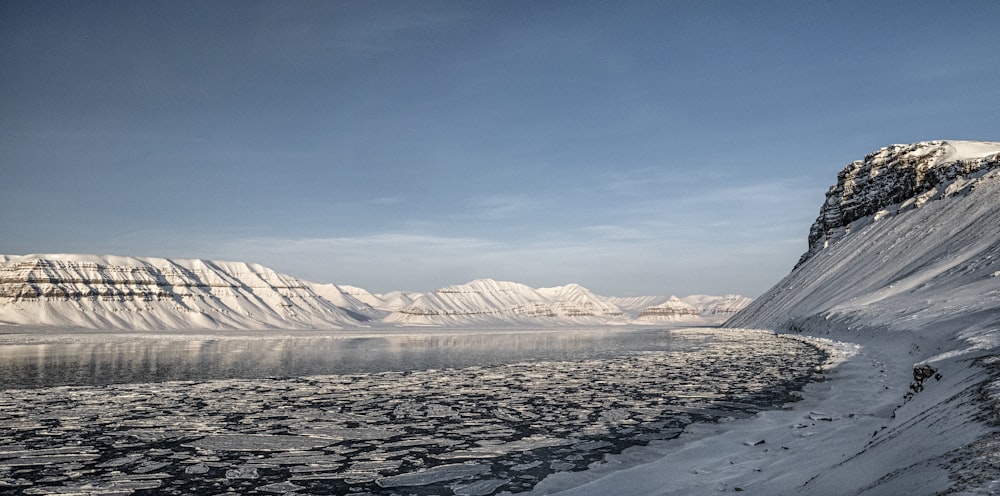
494, 450
434, 475
244, 472
280, 487
196, 469
479, 488
526, 466
256, 442
350, 433
26, 461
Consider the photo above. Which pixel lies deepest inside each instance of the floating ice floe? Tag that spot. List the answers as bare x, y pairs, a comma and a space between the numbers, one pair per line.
441, 473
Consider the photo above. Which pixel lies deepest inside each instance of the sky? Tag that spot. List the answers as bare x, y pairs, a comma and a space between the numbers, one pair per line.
636, 148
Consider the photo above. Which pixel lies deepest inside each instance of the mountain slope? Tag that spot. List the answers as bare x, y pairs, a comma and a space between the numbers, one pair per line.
488, 302
386, 303
672, 309
709, 310
111, 292
905, 259
929, 256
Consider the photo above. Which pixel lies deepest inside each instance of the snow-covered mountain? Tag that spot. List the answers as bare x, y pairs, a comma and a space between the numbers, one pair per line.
111, 292
903, 227
485, 302
127, 293
633, 305
386, 303
718, 306
898, 178
905, 260
693, 309
672, 309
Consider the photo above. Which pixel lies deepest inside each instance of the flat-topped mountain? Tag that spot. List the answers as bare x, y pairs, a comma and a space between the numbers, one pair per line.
129, 293
112, 292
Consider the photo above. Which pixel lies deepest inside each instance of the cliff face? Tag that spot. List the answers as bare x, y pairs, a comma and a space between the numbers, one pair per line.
905, 260
910, 225
897, 178
154, 293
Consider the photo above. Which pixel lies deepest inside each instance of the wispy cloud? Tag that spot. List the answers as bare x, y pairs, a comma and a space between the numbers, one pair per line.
608, 259
504, 206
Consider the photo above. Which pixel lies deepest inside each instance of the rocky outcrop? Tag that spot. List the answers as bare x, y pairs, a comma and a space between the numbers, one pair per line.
899, 177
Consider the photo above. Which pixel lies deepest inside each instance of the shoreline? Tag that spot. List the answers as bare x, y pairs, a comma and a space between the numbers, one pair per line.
862, 430
857, 429
752, 454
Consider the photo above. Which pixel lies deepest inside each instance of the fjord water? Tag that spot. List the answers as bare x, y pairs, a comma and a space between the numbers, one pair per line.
387, 413
104, 358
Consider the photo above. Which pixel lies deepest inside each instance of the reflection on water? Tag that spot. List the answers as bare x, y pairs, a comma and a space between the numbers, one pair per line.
115, 358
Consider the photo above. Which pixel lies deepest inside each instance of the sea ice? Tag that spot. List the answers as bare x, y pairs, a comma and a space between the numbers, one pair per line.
433, 475
364, 432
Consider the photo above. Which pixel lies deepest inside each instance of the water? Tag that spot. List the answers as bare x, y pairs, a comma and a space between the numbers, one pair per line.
442, 413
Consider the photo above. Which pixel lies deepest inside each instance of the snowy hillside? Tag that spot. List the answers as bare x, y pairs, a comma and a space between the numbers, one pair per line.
386, 303
672, 309
633, 305
903, 271
110, 292
708, 310
717, 306
488, 302
905, 259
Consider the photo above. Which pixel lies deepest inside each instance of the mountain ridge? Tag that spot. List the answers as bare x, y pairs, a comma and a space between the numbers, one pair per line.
147, 293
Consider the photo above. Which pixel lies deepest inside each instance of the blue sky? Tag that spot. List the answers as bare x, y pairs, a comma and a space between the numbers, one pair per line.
632, 147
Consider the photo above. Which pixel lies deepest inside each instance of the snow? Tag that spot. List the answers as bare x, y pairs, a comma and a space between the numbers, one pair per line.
913, 304
909, 289
490, 302
113, 292
967, 150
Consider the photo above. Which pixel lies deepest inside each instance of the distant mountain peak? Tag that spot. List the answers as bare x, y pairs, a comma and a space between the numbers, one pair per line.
491, 302
114, 292
132, 293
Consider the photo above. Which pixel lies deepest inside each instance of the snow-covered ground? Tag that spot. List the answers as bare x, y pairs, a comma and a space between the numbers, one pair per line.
910, 292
